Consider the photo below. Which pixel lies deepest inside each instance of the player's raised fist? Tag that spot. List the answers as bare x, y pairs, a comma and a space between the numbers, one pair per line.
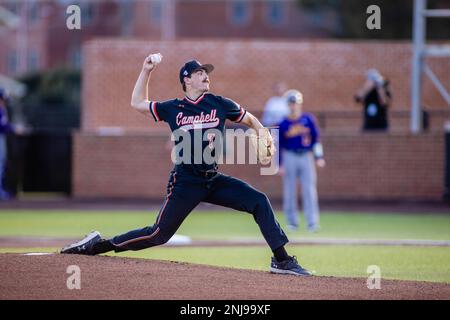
151, 61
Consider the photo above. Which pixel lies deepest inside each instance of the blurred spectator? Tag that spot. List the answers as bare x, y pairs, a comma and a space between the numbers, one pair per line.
375, 96
276, 108
5, 128
300, 152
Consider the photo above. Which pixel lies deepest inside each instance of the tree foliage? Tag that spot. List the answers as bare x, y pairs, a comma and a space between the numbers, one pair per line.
53, 99
396, 18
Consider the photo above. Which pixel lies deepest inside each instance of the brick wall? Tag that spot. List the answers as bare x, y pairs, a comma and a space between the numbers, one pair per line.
362, 167
135, 163
327, 72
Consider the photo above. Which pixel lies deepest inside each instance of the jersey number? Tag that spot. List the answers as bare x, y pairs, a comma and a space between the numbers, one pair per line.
211, 137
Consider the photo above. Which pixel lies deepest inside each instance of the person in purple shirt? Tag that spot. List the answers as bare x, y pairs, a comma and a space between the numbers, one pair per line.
300, 152
5, 128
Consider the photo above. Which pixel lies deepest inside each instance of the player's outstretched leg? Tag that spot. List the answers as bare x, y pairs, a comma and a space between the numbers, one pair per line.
181, 199
236, 194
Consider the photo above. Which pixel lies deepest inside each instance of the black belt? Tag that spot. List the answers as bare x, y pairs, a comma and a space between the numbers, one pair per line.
202, 173
208, 173
300, 151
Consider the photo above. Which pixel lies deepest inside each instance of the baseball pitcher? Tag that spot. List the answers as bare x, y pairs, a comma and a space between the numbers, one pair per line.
191, 181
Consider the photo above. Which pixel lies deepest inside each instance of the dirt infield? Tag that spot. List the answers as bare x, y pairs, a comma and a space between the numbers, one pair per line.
45, 277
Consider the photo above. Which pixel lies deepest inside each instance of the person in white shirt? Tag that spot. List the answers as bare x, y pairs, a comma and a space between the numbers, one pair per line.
276, 108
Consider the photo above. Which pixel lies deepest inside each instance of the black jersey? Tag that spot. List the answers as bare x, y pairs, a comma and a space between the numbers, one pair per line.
375, 113
205, 117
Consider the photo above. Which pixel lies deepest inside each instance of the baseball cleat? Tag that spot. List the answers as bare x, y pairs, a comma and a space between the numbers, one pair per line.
314, 229
289, 266
292, 227
83, 246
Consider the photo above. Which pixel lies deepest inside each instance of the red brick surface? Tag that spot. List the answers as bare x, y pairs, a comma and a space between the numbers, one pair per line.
327, 72
393, 165
359, 167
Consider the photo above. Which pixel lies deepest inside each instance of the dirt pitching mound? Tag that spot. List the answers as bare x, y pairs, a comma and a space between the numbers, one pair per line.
45, 277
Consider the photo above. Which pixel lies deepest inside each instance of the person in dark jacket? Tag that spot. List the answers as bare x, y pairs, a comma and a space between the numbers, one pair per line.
375, 96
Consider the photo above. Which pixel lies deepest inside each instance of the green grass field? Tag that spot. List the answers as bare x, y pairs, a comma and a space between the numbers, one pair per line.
396, 262
224, 224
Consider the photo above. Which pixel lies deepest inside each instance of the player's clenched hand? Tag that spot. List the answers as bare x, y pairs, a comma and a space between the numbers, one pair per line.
263, 145
265, 134
151, 61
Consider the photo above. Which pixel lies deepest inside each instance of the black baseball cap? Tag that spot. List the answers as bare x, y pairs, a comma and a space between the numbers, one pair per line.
191, 66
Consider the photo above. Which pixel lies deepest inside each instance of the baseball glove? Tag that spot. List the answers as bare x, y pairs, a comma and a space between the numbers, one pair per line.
263, 145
